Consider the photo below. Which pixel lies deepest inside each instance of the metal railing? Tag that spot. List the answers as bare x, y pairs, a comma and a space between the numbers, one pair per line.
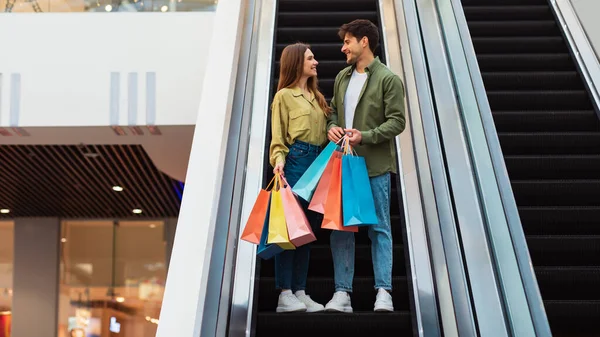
580, 47
417, 204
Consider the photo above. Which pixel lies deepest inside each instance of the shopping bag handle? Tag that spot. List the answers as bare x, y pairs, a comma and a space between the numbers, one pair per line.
272, 180
348, 149
282, 178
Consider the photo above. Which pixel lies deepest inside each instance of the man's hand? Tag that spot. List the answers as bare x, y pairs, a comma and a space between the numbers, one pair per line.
335, 134
279, 168
354, 136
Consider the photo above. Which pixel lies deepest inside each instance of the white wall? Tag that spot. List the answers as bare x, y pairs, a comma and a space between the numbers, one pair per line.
65, 62
587, 11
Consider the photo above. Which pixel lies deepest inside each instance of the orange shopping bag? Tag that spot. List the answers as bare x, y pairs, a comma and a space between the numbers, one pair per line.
256, 220
317, 203
332, 218
299, 230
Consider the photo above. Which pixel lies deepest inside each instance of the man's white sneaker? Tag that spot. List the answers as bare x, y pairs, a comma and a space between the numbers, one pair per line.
290, 303
311, 306
339, 302
383, 302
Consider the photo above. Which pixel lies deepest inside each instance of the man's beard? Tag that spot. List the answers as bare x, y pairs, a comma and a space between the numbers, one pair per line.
352, 60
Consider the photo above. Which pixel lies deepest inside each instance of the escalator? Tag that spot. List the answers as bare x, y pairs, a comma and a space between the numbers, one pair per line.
550, 138
316, 22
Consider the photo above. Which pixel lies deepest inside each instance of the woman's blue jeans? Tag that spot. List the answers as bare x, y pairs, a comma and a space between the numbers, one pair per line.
291, 266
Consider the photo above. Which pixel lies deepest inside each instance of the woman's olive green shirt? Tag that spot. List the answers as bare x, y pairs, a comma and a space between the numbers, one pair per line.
294, 116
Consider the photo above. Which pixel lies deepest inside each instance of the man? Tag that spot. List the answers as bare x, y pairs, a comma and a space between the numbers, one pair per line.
368, 106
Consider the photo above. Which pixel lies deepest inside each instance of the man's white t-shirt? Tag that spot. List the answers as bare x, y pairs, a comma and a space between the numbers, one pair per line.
357, 81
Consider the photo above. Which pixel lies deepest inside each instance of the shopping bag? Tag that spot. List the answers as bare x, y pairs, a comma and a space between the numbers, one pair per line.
305, 186
278, 232
299, 230
266, 251
332, 218
254, 226
317, 203
357, 197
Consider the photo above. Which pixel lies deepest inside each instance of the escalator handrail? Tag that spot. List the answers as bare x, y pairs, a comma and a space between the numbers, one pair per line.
456, 312
588, 61
498, 234
423, 301
519, 243
243, 309
487, 299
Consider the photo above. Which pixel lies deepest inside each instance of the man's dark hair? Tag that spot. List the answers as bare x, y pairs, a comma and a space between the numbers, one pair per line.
359, 29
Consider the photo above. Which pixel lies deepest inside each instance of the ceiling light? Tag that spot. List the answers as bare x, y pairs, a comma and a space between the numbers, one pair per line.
5, 211
117, 188
108, 8
164, 8
120, 299
137, 211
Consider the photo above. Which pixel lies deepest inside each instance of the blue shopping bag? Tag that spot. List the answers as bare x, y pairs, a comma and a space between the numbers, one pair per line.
306, 185
358, 205
266, 251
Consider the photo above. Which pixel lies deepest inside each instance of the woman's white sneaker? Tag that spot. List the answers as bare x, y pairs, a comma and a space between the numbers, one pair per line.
340, 302
311, 306
383, 301
289, 303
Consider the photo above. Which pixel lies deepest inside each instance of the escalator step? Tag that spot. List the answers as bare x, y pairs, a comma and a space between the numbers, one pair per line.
555, 143
560, 220
326, 6
564, 250
513, 28
524, 45
321, 290
556, 80
508, 13
548, 121
557, 192
467, 3
569, 283
539, 100
333, 324
526, 62
573, 318
322, 51
321, 263
304, 19
553, 167
313, 34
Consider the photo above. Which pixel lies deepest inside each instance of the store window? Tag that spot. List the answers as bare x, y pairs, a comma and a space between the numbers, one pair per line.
112, 278
6, 275
103, 6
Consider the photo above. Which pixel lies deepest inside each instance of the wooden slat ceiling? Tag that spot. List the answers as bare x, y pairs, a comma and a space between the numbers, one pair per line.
76, 181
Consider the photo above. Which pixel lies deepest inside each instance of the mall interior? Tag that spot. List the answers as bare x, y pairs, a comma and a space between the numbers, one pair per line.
134, 138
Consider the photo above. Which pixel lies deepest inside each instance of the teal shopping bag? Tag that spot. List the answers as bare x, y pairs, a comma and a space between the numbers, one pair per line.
306, 185
358, 205
266, 251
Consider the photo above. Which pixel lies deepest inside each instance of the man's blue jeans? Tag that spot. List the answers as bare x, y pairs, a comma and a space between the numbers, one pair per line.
342, 243
291, 266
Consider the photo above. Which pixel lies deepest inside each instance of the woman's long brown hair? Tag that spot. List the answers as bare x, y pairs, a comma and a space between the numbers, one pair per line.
292, 69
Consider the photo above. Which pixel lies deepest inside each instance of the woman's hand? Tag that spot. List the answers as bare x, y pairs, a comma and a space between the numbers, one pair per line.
335, 134
279, 168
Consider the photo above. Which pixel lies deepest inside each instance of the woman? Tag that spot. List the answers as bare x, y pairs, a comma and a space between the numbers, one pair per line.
298, 126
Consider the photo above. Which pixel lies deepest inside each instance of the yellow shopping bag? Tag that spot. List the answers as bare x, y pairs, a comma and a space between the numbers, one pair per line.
278, 233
